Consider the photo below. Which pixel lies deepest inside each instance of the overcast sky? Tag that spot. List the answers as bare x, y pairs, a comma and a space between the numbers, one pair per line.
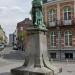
12, 12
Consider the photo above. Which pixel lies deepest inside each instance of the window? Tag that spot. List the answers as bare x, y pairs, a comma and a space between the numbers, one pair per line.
52, 39
53, 55
68, 38
52, 15
67, 13
68, 55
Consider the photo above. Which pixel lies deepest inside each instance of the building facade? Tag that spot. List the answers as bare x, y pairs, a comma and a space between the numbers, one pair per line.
59, 16
15, 38
11, 39
3, 37
21, 33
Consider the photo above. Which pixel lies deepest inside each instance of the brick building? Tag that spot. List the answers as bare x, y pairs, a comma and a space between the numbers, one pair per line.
59, 16
21, 32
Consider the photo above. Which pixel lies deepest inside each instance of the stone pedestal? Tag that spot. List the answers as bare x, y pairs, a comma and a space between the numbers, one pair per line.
36, 60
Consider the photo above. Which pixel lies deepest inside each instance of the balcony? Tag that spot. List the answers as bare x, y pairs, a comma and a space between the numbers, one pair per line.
52, 24
67, 22
50, 1
62, 23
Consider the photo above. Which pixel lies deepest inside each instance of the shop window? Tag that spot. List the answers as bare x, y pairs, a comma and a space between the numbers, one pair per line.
68, 55
53, 55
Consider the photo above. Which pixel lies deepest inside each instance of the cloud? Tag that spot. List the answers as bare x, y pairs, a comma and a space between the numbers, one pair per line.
16, 8
3, 10
12, 12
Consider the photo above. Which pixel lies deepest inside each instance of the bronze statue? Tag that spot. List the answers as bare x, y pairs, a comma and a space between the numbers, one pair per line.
37, 15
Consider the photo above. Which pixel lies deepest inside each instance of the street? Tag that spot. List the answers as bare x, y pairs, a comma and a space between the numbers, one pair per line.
10, 59
13, 58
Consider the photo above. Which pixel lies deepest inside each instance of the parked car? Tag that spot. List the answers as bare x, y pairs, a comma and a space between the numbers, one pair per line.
15, 47
1, 47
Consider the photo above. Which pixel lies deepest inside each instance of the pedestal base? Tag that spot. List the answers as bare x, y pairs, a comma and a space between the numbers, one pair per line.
31, 71
36, 55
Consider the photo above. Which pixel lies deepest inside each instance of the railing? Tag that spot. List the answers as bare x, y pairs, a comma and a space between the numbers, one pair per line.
61, 23
67, 22
53, 1
52, 24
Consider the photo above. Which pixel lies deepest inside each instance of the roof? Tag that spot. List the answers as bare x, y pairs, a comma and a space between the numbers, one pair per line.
26, 22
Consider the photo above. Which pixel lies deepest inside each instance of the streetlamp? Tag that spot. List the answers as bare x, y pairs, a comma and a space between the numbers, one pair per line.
22, 38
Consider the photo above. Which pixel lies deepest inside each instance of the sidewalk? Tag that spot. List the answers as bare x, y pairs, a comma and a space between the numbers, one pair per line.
11, 59
5, 70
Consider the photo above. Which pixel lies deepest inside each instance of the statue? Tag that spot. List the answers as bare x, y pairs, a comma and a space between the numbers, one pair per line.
36, 55
37, 15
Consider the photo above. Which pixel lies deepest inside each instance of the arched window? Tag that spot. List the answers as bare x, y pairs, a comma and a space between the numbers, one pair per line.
52, 15
52, 39
67, 13
68, 38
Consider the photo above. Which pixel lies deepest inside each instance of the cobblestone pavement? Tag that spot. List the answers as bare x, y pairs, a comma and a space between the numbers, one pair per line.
11, 58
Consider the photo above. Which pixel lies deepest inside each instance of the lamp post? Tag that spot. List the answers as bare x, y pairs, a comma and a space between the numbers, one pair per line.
21, 28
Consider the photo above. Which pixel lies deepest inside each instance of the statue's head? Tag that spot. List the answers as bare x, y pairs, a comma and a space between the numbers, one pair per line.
37, 2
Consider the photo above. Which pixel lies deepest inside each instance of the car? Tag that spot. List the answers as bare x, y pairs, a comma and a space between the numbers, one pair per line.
15, 47
1, 47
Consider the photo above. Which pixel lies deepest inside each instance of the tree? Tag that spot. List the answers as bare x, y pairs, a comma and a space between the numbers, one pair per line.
22, 38
1, 38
